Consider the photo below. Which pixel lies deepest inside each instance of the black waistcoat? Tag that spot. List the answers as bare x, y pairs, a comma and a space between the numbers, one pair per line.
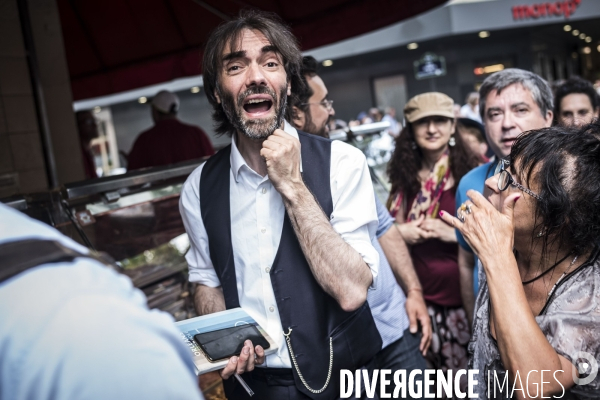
303, 305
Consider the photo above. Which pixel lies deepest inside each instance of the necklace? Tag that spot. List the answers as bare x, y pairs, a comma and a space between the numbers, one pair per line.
546, 271
561, 277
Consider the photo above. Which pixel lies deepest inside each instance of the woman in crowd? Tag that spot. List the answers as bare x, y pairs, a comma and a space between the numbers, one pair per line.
429, 160
538, 238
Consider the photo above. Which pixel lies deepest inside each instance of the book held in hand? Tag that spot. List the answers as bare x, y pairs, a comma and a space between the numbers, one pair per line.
220, 336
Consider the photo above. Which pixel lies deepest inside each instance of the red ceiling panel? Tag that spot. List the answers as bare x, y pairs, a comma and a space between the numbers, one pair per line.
118, 45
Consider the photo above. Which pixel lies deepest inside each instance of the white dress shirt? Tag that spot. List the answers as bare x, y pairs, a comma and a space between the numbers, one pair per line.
257, 212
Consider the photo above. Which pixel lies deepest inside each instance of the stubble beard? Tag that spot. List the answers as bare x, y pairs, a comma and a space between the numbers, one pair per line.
254, 129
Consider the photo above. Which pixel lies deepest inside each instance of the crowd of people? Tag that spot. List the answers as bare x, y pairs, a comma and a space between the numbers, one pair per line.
475, 261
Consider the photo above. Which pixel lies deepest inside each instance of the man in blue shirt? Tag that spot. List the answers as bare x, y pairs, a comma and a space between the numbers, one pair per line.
511, 101
76, 330
396, 316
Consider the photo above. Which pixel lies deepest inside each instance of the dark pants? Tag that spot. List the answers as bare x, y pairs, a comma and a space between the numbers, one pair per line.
267, 384
402, 354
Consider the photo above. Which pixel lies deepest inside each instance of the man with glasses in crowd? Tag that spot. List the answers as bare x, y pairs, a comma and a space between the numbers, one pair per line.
511, 101
309, 109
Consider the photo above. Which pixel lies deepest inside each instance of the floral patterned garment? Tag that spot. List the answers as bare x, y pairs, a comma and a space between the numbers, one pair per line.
427, 200
570, 321
451, 335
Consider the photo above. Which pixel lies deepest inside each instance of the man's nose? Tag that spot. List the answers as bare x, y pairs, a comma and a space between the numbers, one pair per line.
255, 76
331, 111
508, 121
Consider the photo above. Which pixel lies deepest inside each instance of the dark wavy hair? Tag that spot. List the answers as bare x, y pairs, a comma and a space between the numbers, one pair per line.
575, 85
403, 168
300, 97
566, 161
230, 34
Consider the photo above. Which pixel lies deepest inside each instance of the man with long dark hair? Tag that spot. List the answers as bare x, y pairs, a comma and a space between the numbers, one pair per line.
280, 222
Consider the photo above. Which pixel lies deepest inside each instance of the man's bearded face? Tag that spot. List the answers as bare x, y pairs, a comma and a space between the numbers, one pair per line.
256, 100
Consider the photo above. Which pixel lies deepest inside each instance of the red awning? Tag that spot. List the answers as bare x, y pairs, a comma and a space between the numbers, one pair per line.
118, 45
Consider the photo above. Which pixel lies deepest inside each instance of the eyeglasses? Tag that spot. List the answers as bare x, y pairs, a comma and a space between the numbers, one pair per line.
506, 179
328, 104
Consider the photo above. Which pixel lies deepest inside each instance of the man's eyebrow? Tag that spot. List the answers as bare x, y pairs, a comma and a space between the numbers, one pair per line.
519, 105
269, 49
234, 55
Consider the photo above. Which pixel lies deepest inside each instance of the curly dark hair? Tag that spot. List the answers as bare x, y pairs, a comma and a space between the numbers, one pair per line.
230, 33
566, 161
574, 85
403, 168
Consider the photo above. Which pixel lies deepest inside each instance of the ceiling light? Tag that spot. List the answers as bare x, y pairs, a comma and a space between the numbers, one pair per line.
598, 48
567, 28
412, 46
142, 100
327, 63
587, 50
195, 89
489, 69
582, 36
484, 34
588, 39
97, 109
575, 32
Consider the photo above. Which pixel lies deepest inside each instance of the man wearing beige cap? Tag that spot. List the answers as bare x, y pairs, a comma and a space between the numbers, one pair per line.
169, 141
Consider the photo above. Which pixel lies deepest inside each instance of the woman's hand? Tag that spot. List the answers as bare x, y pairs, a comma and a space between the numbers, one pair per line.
488, 231
412, 233
438, 229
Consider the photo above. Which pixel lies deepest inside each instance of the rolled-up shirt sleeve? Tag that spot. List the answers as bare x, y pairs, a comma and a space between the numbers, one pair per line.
354, 214
201, 269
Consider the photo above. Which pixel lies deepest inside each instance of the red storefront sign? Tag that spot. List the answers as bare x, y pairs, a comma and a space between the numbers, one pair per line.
535, 11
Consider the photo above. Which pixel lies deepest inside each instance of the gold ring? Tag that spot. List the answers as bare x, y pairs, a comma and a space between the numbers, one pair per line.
463, 207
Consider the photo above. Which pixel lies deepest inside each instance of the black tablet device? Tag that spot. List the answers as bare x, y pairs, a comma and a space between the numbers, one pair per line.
228, 342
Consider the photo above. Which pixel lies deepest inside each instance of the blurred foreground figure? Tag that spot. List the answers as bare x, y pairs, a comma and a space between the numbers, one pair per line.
388, 303
73, 329
512, 101
88, 130
577, 103
169, 141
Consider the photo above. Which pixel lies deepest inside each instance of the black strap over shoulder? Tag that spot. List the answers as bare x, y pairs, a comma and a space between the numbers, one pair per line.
21, 255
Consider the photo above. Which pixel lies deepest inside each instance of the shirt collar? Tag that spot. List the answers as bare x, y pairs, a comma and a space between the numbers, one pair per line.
237, 161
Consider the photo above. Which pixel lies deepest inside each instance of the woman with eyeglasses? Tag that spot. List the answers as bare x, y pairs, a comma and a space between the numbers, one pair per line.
537, 236
429, 160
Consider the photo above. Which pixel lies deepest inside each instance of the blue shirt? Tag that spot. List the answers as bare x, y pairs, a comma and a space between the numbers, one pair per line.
387, 301
81, 331
474, 179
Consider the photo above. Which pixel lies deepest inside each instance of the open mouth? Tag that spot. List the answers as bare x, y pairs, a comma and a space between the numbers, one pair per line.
258, 106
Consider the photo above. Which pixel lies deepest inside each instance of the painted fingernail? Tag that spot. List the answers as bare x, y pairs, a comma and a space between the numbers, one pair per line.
441, 213
517, 198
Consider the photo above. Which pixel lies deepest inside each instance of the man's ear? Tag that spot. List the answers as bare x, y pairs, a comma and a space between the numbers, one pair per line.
216, 93
549, 118
597, 112
298, 117
289, 88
